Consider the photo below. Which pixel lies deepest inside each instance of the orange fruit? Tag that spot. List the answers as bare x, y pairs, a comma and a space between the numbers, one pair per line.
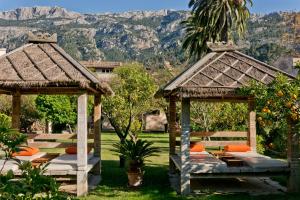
288, 104
294, 116
271, 145
294, 96
280, 93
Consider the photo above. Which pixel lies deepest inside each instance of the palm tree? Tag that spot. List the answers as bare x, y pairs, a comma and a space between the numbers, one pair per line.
213, 20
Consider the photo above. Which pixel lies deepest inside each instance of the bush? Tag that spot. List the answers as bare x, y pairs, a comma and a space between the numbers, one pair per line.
5, 122
32, 184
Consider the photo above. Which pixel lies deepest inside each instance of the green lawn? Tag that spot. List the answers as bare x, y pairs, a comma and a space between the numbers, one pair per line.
156, 185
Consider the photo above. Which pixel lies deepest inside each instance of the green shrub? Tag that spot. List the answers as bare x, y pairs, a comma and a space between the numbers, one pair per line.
32, 184
5, 122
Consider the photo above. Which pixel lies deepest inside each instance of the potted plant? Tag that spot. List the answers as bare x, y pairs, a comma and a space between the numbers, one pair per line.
135, 151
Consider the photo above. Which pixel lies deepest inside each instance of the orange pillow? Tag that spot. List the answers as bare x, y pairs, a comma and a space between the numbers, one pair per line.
197, 147
237, 148
73, 150
26, 151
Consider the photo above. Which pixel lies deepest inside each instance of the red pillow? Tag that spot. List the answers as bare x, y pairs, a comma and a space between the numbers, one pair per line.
197, 147
73, 150
237, 148
26, 151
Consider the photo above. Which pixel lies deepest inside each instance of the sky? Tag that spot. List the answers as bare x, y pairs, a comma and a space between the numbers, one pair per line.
102, 6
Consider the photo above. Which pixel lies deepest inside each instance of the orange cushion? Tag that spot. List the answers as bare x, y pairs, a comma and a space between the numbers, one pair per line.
197, 147
26, 151
73, 150
237, 148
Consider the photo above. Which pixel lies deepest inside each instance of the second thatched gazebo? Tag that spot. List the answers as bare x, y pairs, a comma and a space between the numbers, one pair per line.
216, 78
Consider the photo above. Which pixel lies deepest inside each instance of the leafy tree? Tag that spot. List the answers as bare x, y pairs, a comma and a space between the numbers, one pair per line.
60, 109
134, 90
213, 20
218, 116
276, 106
29, 112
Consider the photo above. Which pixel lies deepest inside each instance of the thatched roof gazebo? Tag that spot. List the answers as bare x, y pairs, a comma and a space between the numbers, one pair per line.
42, 67
216, 78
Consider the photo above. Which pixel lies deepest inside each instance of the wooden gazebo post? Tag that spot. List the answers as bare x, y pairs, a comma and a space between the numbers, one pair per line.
82, 142
16, 110
185, 147
251, 125
293, 158
172, 133
97, 132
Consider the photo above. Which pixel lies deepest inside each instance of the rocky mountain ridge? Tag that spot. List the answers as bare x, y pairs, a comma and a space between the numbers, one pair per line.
151, 37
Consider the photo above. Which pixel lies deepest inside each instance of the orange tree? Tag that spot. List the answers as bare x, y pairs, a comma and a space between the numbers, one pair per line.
276, 105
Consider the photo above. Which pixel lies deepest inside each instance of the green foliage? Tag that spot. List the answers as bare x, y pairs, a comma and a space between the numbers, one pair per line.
213, 20
5, 122
276, 104
218, 116
60, 109
32, 184
9, 139
266, 52
135, 151
29, 113
134, 90
260, 146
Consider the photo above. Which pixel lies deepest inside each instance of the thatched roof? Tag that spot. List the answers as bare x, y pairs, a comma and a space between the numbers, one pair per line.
40, 65
219, 74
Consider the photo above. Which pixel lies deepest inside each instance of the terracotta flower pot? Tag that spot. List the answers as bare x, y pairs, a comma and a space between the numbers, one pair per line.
135, 179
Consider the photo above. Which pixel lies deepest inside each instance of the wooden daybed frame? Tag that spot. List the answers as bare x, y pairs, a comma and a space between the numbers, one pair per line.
207, 165
216, 78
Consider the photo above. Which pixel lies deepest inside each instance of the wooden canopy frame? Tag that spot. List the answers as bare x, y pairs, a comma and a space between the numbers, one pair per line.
42, 67
215, 78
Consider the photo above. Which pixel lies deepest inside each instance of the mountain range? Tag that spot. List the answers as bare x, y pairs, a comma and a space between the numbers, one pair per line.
151, 37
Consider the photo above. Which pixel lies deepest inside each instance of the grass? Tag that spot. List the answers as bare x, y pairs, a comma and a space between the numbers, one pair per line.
156, 185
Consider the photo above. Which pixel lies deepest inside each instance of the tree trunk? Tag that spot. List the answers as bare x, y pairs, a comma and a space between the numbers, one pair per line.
225, 33
224, 36
122, 160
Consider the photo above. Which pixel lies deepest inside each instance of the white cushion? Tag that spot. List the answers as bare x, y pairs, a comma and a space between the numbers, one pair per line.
9, 165
31, 158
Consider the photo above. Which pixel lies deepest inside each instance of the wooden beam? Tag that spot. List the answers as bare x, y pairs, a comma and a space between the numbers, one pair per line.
97, 132
251, 125
228, 134
82, 157
219, 143
293, 158
2, 91
172, 133
53, 136
47, 144
232, 99
72, 90
185, 147
16, 111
